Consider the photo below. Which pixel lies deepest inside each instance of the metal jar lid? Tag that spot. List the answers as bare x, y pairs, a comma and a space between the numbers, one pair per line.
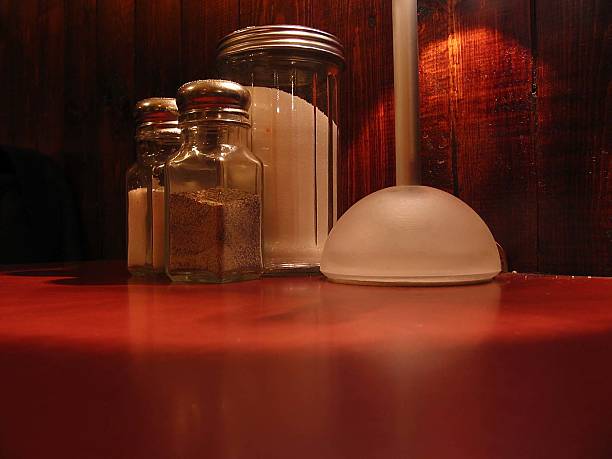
156, 110
293, 39
214, 100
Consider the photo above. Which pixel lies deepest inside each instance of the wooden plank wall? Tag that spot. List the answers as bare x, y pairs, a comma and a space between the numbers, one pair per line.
74, 69
574, 104
515, 100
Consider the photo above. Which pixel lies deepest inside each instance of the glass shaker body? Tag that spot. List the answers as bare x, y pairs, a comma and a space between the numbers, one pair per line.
213, 200
294, 116
155, 142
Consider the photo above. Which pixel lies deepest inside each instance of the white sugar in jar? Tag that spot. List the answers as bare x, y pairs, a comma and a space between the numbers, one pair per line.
295, 154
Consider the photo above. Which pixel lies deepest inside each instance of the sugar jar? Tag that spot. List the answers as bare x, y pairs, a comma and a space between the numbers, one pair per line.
292, 74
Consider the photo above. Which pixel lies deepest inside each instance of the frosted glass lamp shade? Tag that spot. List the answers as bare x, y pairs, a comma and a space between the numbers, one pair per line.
410, 235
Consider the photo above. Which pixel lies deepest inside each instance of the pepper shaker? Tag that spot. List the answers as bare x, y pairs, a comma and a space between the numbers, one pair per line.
213, 188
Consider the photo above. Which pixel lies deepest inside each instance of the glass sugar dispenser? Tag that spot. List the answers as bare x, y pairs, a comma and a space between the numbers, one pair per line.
213, 188
157, 137
292, 75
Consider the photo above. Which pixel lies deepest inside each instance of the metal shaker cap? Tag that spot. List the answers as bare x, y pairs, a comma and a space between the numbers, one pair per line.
156, 110
293, 40
214, 100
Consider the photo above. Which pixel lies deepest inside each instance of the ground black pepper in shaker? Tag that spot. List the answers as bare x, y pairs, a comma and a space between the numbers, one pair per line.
213, 188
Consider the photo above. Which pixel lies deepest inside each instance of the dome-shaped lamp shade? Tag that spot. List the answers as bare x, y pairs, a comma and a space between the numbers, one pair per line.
410, 235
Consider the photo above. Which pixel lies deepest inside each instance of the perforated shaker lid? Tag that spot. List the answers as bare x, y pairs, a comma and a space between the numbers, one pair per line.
156, 110
214, 100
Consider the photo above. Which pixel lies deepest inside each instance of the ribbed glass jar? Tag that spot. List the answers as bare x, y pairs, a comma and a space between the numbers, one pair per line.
292, 74
157, 137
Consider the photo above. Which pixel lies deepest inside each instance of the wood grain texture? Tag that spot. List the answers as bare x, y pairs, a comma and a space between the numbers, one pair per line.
573, 141
24, 74
115, 100
116, 52
158, 48
264, 12
520, 111
50, 104
5, 56
80, 154
437, 149
477, 118
203, 25
515, 104
496, 173
367, 132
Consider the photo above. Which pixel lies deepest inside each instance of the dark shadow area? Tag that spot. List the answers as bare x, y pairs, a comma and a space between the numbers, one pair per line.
87, 273
105, 273
119, 278
38, 216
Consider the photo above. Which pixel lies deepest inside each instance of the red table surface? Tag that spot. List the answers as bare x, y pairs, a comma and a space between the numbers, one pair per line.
93, 365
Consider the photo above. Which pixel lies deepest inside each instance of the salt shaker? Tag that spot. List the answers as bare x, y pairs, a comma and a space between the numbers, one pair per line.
157, 137
213, 188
